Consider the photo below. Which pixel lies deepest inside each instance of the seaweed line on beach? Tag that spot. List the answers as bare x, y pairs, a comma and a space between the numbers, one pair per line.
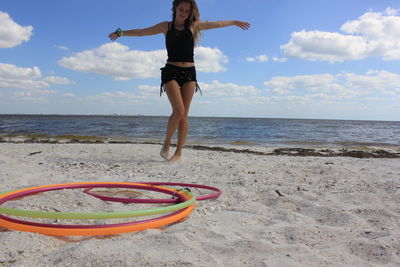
303, 152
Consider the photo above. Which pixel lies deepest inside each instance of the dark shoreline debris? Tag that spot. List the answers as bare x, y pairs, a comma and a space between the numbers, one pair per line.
299, 152
34, 153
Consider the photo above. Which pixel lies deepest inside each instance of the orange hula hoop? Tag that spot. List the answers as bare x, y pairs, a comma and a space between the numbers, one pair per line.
157, 223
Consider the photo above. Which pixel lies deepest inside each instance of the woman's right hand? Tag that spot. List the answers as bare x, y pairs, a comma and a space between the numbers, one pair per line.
242, 24
113, 36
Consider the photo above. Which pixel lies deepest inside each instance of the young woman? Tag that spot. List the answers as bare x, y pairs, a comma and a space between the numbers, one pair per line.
178, 77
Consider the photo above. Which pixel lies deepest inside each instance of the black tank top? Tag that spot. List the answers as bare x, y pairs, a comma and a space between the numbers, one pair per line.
180, 44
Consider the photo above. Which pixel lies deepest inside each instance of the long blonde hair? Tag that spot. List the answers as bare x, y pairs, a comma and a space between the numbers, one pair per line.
193, 17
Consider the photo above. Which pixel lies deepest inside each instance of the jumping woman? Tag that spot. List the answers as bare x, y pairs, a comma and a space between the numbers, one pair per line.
178, 77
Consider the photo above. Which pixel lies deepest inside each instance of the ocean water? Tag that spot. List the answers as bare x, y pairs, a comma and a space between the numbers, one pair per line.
211, 131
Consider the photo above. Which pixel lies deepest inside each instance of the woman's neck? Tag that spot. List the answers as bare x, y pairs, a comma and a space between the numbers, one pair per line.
179, 23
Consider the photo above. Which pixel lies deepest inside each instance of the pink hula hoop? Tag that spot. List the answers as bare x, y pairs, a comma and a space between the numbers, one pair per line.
215, 195
180, 197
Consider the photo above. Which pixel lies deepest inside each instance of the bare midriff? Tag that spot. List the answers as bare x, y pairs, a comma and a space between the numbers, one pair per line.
182, 64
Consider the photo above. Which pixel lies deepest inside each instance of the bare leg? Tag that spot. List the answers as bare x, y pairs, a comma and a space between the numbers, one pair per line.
178, 110
187, 92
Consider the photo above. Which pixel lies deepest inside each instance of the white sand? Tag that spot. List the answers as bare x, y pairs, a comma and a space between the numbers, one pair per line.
334, 211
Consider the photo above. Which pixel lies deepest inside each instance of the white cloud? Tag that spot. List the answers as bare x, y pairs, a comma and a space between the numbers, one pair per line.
287, 84
382, 31
317, 89
340, 86
12, 71
216, 88
377, 81
69, 95
113, 97
325, 46
375, 25
35, 95
279, 59
11, 33
58, 80
14, 77
210, 59
145, 94
259, 58
150, 94
26, 96
372, 34
148, 91
61, 47
118, 61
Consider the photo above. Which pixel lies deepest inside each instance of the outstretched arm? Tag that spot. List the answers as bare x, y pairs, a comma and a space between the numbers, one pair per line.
156, 29
207, 25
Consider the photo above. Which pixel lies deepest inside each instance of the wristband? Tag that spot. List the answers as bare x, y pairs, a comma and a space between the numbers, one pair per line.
119, 32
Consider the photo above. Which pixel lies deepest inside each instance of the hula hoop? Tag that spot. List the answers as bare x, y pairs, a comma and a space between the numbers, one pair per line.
183, 198
83, 226
76, 215
217, 193
101, 230
88, 215
5, 192
91, 230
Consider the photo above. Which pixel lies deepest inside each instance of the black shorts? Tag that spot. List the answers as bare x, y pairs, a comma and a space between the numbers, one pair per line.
179, 74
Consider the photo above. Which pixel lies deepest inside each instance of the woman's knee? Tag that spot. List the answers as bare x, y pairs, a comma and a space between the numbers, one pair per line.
184, 123
179, 114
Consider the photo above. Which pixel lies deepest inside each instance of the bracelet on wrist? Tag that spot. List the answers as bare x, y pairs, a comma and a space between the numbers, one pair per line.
118, 32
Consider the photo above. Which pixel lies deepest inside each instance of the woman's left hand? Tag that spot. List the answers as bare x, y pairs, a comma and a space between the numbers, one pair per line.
113, 36
242, 24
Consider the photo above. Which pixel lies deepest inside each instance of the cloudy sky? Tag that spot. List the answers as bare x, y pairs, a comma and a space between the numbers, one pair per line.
331, 59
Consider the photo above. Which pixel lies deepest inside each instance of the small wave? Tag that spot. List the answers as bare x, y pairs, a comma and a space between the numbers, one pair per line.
81, 138
363, 144
242, 143
303, 142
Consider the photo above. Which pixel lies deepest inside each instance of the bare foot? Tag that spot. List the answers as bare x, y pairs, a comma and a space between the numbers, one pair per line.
164, 153
175, 158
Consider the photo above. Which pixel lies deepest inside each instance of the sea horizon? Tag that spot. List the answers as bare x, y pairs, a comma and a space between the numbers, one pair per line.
194, 116
283, 132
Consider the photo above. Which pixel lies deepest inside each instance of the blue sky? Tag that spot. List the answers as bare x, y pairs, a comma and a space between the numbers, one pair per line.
331, 59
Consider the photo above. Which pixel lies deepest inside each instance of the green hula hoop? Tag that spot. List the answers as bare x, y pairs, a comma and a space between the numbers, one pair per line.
90, 215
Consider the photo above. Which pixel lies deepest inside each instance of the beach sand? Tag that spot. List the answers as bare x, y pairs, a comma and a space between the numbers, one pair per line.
276, 210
